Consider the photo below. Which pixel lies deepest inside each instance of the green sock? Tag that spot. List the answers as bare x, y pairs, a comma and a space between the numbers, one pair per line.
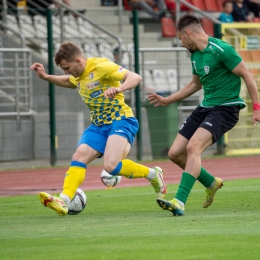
205, 178
187, 182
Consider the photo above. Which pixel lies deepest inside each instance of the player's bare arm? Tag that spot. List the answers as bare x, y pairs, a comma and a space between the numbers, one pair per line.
62, 80
130, 80
193, 86
242, 71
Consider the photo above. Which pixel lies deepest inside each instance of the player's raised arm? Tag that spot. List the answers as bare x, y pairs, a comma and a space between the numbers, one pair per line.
242, 71
131, 80
62, 80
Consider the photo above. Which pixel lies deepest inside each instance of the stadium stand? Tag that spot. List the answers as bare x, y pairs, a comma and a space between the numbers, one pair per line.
199, 4
168, 27
159, 68
85, 28
256, 20
127, 6
208, 26
71, 27
40, 25
246, 56
219, 4
26, 25
160, 80
91, 50
106, 51
148, 82
211, 5
56, 27
172, 79
165, 80
12, 23
255, 55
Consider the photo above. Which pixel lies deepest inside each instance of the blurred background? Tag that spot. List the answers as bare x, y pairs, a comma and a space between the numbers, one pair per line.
40, 121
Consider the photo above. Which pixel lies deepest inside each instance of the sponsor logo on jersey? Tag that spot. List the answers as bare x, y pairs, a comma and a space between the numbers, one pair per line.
91, 75
93, 84
96, 93
206, 69
121, 69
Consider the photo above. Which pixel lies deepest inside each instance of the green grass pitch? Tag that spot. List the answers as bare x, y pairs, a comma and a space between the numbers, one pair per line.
127, 223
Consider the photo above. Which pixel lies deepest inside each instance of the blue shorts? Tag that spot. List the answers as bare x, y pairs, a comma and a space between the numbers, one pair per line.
96, 136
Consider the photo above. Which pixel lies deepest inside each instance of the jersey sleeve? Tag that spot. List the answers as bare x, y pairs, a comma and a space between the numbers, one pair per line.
229, 57
73, 81
111, 70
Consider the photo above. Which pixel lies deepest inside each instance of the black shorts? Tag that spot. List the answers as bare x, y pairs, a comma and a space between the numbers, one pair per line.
217, 120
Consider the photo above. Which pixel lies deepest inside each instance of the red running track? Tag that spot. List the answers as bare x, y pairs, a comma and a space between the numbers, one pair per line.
32, 181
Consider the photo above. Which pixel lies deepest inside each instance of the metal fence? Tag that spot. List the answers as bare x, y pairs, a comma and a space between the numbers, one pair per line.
15, 78
164, 70
16, 102
244, 138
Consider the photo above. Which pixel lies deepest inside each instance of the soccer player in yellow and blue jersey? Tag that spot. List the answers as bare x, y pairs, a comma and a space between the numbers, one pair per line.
218, 69
113, 125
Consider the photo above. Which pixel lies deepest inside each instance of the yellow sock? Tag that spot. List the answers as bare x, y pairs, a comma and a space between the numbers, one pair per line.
73, 178
133, 170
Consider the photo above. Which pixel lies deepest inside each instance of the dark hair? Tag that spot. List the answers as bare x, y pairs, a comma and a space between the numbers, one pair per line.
67, 51
187, 20
116, 51
226, 2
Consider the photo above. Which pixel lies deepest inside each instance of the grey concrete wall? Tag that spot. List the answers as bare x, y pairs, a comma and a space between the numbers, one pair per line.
69, 127
16, 140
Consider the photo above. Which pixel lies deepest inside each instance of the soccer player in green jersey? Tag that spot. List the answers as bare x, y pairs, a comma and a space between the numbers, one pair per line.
113, 125
218, 69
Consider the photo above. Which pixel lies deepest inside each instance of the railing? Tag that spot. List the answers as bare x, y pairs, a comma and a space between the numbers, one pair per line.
100, 28
73, 26
15, 83
171, 63
202, 13
21, 36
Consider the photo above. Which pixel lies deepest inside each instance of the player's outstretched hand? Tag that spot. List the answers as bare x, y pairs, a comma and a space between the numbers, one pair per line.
39, 69
157, 100
256, 117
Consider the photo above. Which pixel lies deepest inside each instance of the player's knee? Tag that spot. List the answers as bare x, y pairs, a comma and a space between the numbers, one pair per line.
192, 148
174, 156
79, 156
110, 166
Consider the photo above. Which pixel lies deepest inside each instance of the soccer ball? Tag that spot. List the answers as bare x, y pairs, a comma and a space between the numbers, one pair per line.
78, 203
110, 180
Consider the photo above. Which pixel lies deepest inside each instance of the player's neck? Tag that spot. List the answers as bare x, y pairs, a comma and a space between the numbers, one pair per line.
202, 41
84, 62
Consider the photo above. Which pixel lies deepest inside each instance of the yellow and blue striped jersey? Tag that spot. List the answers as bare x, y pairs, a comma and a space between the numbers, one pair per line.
99, 75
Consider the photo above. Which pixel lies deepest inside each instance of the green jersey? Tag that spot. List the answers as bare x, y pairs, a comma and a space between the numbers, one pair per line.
214, 67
